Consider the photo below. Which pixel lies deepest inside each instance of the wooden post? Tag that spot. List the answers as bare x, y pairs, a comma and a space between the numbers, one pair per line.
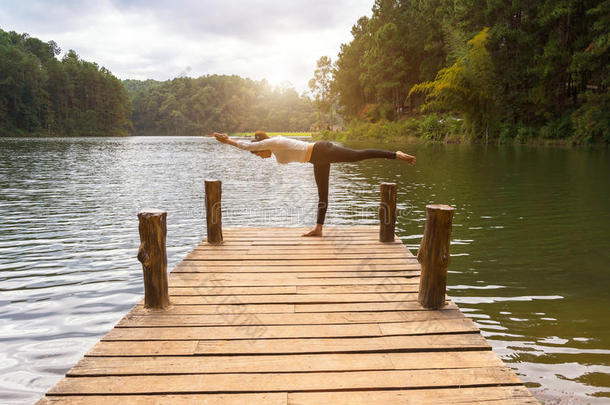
433, 255
387, 212
153, 256
213, 213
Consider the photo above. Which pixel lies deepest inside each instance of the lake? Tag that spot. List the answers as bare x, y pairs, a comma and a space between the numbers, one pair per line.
530, 244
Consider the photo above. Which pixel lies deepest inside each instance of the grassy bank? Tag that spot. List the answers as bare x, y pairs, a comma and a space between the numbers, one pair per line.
274, 133
445, 128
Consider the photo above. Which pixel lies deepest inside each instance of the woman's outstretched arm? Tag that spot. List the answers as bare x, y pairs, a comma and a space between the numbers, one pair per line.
252, 146
224, 138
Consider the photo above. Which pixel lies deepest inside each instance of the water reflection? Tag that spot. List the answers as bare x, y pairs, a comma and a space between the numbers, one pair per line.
529, 248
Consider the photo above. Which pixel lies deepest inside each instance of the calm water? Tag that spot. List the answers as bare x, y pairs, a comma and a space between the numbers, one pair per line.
530, 249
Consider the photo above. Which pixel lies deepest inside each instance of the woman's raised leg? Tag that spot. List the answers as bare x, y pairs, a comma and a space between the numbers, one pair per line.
336, 154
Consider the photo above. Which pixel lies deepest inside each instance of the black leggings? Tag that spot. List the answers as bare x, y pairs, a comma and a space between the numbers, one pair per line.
323, 154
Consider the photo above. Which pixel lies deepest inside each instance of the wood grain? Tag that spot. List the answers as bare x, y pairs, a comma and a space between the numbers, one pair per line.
268, 317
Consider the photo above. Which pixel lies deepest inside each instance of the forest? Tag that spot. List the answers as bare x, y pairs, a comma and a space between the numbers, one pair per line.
484, 70
41, 95
469, 70
196, 106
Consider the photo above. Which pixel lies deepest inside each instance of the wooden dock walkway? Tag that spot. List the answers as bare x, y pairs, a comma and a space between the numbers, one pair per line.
271, 318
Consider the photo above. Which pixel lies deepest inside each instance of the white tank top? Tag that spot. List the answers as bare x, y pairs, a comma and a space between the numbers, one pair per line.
284, 149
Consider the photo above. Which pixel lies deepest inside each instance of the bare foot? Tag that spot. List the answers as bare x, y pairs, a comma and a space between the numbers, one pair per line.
316, 231
407, 158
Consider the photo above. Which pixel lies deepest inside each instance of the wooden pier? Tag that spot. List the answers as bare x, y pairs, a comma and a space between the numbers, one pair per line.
269, 317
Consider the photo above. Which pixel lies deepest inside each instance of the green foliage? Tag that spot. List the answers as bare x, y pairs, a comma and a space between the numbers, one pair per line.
320, 86
592, 119
538, 69
466, 87
525, 134
188, 106
41, 95
559, 128
430, 128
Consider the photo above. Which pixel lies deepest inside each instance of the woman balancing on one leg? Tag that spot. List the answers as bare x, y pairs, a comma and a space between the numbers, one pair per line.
321, 154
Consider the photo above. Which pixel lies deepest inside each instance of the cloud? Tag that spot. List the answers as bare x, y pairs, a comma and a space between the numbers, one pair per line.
280, 41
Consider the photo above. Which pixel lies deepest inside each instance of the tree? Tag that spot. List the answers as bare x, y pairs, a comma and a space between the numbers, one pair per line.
320, 86
346, 77
468, 87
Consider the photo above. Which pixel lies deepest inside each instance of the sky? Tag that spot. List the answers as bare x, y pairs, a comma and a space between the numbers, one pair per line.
149, 39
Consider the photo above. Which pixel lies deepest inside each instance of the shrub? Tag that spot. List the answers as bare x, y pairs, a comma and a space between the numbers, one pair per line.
592, 120
525, 133
557, 128
431, 128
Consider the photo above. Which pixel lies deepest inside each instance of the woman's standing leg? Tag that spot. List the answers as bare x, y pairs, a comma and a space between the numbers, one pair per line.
321, 173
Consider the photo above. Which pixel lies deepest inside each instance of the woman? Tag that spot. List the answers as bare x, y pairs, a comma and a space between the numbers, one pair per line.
321, 154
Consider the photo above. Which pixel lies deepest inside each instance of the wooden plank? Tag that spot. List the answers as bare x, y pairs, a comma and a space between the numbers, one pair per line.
298, 231
416, 343
323, 274
236, 309
250, 327
344, 345
229, 280
293, 299
227, 308
296, 234
287, 229
507, 395
313, 242
340, 289
255, 331
211, 267
281, 382
304, 262
105, 366
366, 306
224, 290
329, 240
202, 255
207, 399
350, 289
283, 278
151, 348
158, 320
300, 250
286, 277
283, 247
357, 274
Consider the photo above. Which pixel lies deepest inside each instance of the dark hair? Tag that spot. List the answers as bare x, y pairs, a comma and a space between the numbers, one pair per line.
259, 136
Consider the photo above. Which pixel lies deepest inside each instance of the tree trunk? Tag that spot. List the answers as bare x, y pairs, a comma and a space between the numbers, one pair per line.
433, 255
153, 256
